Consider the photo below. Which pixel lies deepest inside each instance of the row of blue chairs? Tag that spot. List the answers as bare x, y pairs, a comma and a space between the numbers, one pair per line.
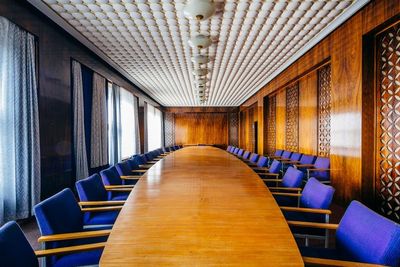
74, 233
315, 166
361, 236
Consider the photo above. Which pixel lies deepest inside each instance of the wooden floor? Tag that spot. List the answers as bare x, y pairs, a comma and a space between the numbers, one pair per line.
200, 206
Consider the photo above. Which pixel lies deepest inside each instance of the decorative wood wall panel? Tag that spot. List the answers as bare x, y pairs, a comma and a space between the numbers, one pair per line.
292, 117
281, 119
247, 118
233, 129
387, 179
271, 125
169, 129
324, 110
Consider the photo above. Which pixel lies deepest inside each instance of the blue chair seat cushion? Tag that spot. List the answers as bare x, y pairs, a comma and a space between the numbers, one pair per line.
79, 259
107, 217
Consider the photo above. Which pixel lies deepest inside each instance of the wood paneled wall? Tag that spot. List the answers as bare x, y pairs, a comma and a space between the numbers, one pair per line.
344, 49
56, 49
192, 126
248, 117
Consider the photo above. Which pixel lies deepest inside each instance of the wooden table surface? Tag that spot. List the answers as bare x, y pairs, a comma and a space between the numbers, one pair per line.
200, 206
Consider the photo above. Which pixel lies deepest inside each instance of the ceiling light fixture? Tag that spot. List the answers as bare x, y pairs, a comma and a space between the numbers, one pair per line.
200, 72
200, 59
199, 9
200, 41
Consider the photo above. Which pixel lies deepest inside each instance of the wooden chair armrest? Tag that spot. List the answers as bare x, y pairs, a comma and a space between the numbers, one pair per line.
274, 157
309, 261
71, 249
140, 170
269, 174
119, 189
74, 235
119, 186
307, 210
286, 194
316, 170
329, 226
101, 203
131, 177
271, 180
100, 209
296, 189
260, 169
292, 162
304, 165
284, 160
145, 166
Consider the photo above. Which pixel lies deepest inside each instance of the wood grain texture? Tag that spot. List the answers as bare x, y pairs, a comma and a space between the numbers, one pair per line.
247, 118
204, 207
281, 119
308, 114
201, 128
343, 48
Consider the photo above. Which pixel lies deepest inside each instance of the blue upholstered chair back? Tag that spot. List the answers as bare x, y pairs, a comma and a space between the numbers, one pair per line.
176, 147
59, 214
262, 162
240, 152
236, 150
132, 164
228, 148
295, 156
366, 236
278, 152
254, 158
322, 163
166, 149
292, 178
110, 176
171, 148
123, 168
307, 159
148, 156
286, 154
232, 149
91, 189
246, 154
275, 167
316, 195
15, 250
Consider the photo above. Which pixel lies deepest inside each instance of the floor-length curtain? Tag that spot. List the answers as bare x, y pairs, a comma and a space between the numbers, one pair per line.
80, 155
114, 119
99, 138
136, 121
19, 123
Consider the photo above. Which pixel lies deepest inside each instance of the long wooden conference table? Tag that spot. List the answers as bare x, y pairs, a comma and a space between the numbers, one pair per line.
200, 206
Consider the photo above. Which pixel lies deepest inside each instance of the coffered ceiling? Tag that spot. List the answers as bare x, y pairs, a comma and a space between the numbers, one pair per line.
147, 41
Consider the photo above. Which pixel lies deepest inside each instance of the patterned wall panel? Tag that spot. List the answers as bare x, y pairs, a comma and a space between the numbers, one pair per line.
271, 125
292, 117
324, 110
169, 129
387, 179
234, 129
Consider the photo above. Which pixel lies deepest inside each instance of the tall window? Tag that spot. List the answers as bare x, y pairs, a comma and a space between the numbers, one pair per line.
122, 122
154, 124
127, 127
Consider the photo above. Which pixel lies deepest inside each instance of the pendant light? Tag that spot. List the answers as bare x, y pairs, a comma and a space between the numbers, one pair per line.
199, 9
200, 59
200, 41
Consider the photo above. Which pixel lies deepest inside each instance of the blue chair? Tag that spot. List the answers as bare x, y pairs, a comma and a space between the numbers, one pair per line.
17, 252
273, 170
92, 189
291, 181
125, 171
253, 159
62, 214
361, 236
228, 148
319, 170
277, 154
236, 150
246, 155
240, 152
313, 206
294, 158
111, 176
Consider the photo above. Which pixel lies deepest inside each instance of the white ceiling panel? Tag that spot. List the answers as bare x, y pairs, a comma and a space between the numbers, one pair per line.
147, 40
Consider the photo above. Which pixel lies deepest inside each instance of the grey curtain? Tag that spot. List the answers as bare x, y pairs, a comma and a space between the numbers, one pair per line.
99, 138
81, 164
114, 122
136, 120
19, 123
